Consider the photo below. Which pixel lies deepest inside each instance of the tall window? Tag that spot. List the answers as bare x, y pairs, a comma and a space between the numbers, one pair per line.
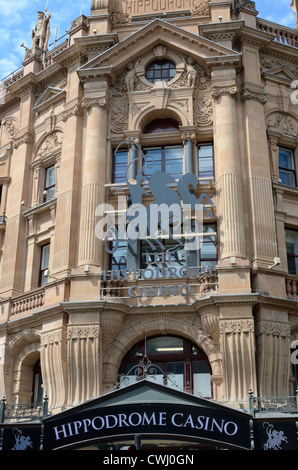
287, 167
206, 161
176, 362
160, 70
50, 183
120, 160
44, 264
37, 390
292, 251
166, 158
208, 250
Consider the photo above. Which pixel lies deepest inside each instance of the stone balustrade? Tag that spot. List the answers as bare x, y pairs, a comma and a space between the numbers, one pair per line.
282, 34
25, 304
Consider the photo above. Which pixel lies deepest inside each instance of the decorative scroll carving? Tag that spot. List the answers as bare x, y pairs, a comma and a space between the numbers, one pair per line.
218, 92
119, 116
102, 102
203, 111
253, 95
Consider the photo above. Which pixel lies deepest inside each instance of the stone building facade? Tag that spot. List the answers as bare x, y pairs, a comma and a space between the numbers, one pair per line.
73, 120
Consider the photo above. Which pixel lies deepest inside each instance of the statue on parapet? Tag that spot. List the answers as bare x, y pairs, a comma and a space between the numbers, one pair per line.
42, 32
294, 6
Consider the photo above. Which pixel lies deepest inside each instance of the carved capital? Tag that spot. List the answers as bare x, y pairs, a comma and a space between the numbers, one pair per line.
83, 332
230, 91
247, 94
102, 102
76, 110
236, 326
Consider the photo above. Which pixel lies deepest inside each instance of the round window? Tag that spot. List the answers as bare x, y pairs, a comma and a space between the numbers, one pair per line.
160, 70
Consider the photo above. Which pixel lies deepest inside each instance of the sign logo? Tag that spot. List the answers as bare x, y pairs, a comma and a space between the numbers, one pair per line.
174, 213
275, 438
21, 442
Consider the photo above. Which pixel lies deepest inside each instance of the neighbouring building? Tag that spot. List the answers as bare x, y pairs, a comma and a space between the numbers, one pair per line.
141, 106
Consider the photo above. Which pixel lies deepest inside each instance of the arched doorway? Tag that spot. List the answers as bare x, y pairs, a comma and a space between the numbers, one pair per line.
168, 360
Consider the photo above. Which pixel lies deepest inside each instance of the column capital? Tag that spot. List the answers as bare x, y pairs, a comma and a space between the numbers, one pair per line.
101, 102
232, 91
188, 133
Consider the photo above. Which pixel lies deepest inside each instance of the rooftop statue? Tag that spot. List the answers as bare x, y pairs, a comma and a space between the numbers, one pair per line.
294, 6
41, 33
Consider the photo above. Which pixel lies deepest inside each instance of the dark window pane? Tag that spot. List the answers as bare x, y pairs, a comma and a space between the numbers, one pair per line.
163, 70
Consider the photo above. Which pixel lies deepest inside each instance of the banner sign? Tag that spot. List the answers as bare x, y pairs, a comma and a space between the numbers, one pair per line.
191, 422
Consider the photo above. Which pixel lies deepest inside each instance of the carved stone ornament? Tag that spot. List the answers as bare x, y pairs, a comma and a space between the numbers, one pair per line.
52, 143
203, 110
118, 17
201, 8
11, 127
102, 102
83, 332
283, 125
236, 326
218, 92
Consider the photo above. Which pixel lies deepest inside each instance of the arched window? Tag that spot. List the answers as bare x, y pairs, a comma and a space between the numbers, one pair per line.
161, 125
160, 70
168, 360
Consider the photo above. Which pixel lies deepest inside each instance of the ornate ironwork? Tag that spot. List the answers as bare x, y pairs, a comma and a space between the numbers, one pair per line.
23, 411
145, 369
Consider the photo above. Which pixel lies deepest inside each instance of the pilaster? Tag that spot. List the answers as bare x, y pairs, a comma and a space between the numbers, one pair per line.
94, 171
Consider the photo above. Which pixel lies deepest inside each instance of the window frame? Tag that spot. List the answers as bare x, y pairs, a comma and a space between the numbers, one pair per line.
151, 67
49, 197
287, 170
294, 256
41, 269
188, 356
199, 146
163, 161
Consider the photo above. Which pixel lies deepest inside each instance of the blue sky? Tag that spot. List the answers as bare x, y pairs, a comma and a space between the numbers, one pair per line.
18, 17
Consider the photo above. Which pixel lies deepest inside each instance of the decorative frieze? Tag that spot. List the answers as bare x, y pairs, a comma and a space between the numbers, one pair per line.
236, 326
83, 332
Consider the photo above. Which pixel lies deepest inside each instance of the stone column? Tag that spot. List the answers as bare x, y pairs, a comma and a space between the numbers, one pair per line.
188, 134
228, 168
238, 346
54, 363
94, 172
273, 337
84, 359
